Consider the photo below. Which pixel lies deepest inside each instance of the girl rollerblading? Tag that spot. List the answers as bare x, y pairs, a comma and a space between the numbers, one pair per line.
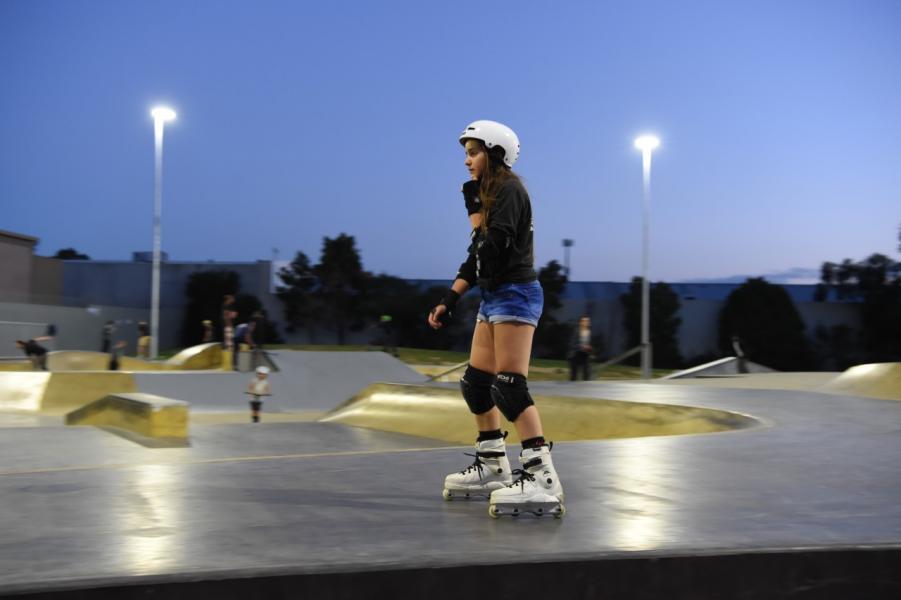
495, 383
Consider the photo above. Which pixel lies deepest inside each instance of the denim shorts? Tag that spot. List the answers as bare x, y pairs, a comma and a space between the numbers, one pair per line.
516, 302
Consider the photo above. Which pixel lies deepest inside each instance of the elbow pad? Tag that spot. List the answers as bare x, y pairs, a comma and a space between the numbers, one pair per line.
493, 245
492, 251
469, 271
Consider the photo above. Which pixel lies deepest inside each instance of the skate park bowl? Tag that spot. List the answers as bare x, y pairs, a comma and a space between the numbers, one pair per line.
150, 420
876, 380
441, 413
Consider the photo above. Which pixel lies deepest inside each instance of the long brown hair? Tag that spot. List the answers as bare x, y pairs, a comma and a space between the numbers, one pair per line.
496, 173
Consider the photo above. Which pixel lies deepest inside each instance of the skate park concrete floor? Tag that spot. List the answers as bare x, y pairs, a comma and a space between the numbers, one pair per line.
805, 506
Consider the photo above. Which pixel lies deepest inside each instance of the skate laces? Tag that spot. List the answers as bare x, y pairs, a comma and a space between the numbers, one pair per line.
523, 477
477, 464
525, 474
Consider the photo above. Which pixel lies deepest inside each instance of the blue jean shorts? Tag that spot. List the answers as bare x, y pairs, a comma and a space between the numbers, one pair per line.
512, 302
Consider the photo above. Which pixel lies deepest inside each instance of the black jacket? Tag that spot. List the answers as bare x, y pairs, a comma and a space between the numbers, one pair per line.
503, 254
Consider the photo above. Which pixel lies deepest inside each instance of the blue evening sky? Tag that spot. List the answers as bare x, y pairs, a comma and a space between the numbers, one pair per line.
780, 122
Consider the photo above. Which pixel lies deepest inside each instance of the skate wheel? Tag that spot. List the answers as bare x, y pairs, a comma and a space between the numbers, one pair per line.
492, 511
447, 495
559, 514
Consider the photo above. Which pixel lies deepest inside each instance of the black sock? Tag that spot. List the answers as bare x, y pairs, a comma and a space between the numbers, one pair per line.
494, 434
535, 442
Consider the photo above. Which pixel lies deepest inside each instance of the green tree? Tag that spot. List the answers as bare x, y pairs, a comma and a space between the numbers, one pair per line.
664, 324
551, 335
395, 298
205, 291
875, 285
836, 348
767, 324
341, 284
296, 294
71, 254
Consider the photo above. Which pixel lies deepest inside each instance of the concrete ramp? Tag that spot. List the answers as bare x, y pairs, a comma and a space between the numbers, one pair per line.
14, 363
202, 356
85, 360
57, 393
731, 365
876, 380
150, 420
439, 412
307, 381
77, 360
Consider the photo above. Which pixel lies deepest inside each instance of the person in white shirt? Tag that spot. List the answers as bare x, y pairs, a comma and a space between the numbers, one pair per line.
258, 388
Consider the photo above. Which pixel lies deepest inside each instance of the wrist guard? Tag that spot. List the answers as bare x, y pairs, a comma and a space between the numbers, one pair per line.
449, 300
471, 197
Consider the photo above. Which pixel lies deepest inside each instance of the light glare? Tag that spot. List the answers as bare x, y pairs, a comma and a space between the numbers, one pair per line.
646, 143
163, 113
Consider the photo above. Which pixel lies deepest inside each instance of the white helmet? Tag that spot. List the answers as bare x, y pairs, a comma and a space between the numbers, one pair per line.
492, 133
263, 369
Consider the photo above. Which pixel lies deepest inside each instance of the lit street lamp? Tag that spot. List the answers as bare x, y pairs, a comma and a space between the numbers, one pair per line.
160, 114
647, 144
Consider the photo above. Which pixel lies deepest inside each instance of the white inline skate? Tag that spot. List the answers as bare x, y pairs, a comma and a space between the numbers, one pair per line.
536, 490
490, 471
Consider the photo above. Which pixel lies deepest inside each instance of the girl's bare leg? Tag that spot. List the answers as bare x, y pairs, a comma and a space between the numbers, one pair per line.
481, 357
512, 351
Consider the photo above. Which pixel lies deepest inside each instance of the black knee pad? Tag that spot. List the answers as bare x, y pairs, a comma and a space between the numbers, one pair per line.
255, 405
476, 388
510, 392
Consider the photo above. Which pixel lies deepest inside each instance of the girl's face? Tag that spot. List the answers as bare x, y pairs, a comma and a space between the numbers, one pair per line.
476, 158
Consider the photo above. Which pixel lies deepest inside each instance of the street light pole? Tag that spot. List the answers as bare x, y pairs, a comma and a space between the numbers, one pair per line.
647, 144
567, 244
160, 114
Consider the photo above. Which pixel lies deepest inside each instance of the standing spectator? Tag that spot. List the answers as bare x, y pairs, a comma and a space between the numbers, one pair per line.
115, 352
240, 337
580, 353
107, 337
229, 314
256, 335
207, 332
143, 340
35, 352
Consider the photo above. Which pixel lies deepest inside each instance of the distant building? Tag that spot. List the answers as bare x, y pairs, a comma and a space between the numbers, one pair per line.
120, 290
25, 277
